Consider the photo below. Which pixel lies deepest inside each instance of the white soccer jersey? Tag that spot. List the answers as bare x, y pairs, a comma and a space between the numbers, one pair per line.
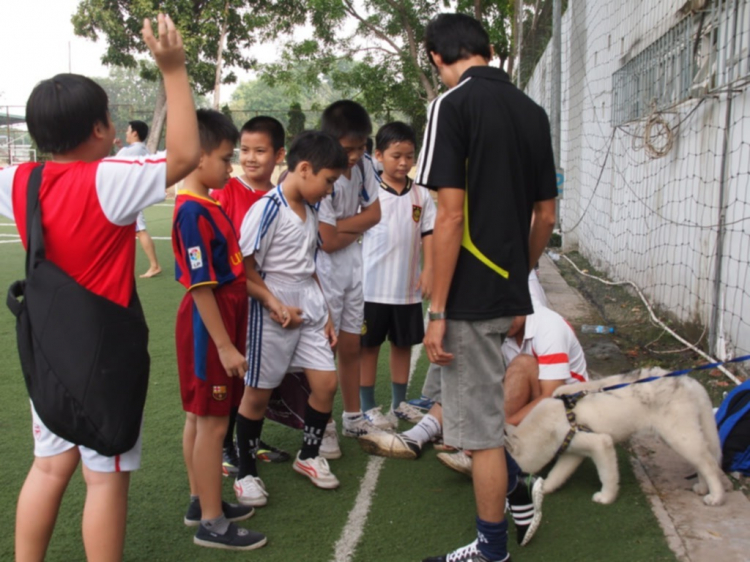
284, 246
551, 340
391, 253
350, 194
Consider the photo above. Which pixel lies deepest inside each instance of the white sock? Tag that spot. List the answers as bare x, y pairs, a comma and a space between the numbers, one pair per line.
426, 430
351, 416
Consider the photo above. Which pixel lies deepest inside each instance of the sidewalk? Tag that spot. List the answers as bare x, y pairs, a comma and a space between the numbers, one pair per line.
694, 531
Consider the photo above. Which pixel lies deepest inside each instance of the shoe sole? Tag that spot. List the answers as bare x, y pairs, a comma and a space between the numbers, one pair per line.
331, 456
373, 448
537, 497
321, 485
211, 544
447, 460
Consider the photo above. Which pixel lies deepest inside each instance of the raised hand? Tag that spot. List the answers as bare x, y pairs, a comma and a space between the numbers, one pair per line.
167, 49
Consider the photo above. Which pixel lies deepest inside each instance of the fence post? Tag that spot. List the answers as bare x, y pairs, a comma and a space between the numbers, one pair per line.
555, 93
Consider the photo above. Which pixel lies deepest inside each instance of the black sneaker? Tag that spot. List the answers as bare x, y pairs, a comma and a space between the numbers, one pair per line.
468, 553
269, 453
525, 507
232, 512
230, 462
236, 538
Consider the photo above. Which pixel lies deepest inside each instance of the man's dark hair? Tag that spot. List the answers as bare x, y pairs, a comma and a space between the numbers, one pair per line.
321, 150
269, 126
140, 128
456, 37
395, 131
61, 112
214, 128
346, 118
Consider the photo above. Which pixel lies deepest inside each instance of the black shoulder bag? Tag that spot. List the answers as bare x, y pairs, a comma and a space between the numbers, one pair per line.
84, 358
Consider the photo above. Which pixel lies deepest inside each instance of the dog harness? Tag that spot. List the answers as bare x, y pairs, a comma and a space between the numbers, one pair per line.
570, 401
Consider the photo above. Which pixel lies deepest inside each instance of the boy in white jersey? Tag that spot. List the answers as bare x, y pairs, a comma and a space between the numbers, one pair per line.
290, 326
345, 215
394, 282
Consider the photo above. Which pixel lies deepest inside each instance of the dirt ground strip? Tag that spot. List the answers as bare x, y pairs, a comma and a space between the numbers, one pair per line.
694, 531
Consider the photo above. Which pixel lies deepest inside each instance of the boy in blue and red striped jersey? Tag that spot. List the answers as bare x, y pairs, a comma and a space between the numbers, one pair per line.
210, 335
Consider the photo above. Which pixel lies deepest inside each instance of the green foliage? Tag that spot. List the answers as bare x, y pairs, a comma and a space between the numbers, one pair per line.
296, 123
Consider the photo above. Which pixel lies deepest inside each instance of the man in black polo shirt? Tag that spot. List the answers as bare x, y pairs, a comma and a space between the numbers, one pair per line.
488, 152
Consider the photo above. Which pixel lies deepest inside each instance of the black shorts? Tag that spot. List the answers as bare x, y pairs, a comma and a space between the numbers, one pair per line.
402, 323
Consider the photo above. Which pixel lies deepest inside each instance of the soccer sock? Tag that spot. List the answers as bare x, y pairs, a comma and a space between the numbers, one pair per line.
219, 525
426, 430
513, 472
351, 416
492, 540
229, 436
248, 437
315, 426
367, 397
398, 392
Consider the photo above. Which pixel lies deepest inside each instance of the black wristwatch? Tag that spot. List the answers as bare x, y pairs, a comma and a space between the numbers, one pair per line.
436, 315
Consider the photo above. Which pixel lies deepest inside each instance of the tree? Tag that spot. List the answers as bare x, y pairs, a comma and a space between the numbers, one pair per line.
203, 24
296, 123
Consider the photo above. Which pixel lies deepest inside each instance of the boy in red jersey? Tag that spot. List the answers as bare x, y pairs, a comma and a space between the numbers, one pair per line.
261, 150
210, 333
91, 236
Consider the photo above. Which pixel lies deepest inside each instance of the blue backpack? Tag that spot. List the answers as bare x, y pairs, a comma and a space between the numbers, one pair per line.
733, 421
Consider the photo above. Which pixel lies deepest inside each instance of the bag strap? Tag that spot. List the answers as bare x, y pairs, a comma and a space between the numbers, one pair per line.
34, 235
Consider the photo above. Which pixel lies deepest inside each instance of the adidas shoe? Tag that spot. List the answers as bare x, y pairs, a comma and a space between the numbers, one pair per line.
269, 453
318, 471
329, 446
232, 512
358, 427
375, 417
250, 490
390, 445
526, 508
460, 462
407, 412
230, 462
236, 538
468, 553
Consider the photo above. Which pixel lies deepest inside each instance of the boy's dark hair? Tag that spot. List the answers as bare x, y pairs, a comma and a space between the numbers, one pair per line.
61, 112
321, 150
395, 131
346, 118
269, 126
214, 128
456, 37
140, 128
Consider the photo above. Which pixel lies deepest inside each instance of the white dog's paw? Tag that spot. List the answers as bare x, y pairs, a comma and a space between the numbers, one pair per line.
713, 499
700, 488
604, 498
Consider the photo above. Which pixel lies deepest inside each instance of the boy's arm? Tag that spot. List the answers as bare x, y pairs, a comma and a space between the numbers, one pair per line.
232, 360
332, 240
364, 220
182, 142
330, 330
542, 224
425, 279
287, 316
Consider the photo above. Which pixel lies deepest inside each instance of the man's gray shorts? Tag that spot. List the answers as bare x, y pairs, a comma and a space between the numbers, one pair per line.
470, 388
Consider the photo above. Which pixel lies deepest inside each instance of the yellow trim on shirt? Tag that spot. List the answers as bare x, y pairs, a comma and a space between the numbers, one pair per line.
191, 194
467, 243
191, 287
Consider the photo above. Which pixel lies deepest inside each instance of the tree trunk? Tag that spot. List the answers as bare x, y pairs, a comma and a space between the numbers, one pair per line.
159, 119
219, 54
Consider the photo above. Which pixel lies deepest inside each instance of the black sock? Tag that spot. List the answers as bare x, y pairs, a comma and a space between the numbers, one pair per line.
248, 437
229, 437
315, 426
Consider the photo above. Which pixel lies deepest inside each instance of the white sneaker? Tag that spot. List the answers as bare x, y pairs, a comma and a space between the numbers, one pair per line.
358, 427
407, 412
329, 447
318, 471
251, 491
460, 462
375, 417
390, 445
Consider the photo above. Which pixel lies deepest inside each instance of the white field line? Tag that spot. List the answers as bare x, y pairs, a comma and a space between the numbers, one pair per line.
9, 235
355, 523
10, 241
161, 238
7, 224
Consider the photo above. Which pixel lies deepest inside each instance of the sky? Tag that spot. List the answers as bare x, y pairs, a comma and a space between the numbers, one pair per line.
37, 42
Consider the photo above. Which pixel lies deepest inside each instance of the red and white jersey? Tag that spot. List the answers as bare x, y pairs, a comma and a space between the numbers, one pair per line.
236, 198
88, 215
552, 341
392, 249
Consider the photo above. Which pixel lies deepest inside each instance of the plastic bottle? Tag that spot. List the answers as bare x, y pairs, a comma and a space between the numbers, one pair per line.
591, 329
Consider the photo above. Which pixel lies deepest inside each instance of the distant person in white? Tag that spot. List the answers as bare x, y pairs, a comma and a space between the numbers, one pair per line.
135, 134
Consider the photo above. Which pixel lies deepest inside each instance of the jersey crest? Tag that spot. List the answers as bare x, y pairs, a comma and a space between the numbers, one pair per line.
416, 213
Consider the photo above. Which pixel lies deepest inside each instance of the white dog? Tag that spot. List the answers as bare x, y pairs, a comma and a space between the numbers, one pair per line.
675, 408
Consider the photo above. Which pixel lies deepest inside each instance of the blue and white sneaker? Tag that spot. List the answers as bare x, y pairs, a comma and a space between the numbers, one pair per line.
468, 553
422, 403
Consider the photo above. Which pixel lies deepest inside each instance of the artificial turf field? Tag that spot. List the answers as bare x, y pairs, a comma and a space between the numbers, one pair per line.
418, 508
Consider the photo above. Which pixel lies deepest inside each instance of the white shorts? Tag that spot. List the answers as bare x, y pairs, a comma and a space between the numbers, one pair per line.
340, 276
47, 444
272, 351
140, 222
